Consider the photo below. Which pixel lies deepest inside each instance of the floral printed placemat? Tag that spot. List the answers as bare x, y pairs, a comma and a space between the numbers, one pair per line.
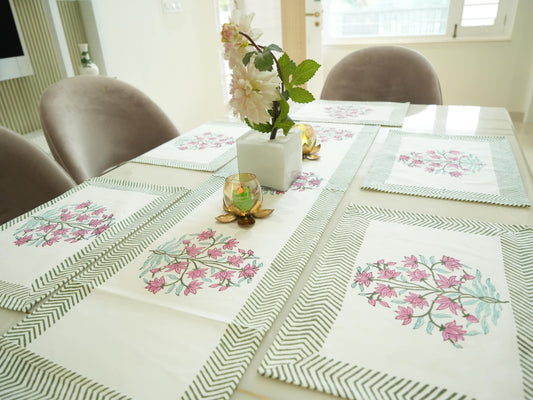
182, 305
46, 246
478, 168
404, 303
352, 112
206, 148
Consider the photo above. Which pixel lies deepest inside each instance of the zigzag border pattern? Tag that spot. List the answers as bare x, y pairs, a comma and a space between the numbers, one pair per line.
294, 356
221, 373
14, 297
265, 303
396, 118
512, 192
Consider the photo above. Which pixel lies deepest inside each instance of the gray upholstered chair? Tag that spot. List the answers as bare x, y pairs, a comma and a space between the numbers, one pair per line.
93, 123
28, 176
383, 73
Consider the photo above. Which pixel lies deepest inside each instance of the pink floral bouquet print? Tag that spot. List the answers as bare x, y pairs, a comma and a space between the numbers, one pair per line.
196, 262
347, 111
327, 133
72, 223
451, 162
207, 140
439, 294
306, 181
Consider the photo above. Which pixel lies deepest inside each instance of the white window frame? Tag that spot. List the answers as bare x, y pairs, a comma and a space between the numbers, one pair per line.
501, 30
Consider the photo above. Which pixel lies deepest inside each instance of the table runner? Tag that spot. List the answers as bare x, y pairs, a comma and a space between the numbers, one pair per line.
479, 168
407, 305
352, 112
44, 247
206, 148
187, 300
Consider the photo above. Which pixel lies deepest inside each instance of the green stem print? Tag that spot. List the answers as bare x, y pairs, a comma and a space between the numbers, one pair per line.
183, 266
436, 293
440, 162
72, 223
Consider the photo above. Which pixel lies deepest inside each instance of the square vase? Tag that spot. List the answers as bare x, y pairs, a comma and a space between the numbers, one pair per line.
276, 163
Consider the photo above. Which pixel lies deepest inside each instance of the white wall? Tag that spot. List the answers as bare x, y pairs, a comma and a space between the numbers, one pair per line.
495, 73
172, 57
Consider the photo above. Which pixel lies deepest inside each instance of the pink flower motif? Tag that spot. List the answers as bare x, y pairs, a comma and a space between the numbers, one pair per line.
472, 318
410, 261
445, 303
445, 282
82, 217
60, 232
453, 332
385, 291
155, 270
250, 252
177, 267
404, 314
418, 275
388, 274
223, 275
46, 228
230, 245
372, 302
364, 278
155, 285
214, 253
205, 235
83, 205
22, 240
450, 263
248, 271
197, 273
66, 216
96, 222
468, 277
404, 157
101, 229
80, 233
99, 211
384, 304
51, 241
456, 174
416, 300
235, 260
193, 287
193, 251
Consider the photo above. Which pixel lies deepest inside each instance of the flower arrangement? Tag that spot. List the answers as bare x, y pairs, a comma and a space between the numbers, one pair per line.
262, 84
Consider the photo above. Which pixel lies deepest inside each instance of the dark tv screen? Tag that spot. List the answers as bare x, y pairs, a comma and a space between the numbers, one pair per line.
10, 45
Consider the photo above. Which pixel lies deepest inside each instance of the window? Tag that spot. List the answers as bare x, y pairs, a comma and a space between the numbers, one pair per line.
420, 19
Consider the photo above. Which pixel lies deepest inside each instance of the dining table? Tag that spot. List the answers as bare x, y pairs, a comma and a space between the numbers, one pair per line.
399, 264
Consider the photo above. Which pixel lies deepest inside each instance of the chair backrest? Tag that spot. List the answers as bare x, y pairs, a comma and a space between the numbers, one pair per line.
383, 73
93, 123
28, 176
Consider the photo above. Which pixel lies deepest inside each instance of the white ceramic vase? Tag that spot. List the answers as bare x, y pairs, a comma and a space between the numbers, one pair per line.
276, 163
87, 67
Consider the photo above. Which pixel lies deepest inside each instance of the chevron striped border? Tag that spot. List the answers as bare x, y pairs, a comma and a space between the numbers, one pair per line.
209, 166
396, 118
512, 192
223, 370
294, 356
22, 298
220, 375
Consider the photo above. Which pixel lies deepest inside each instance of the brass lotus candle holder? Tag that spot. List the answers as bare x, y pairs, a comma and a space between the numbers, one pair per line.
309, 146
243, 198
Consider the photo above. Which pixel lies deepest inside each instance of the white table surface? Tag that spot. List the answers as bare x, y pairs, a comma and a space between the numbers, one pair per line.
454, 120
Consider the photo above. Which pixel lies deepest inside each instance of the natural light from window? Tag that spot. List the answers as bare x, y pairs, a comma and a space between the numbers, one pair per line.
375, 19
